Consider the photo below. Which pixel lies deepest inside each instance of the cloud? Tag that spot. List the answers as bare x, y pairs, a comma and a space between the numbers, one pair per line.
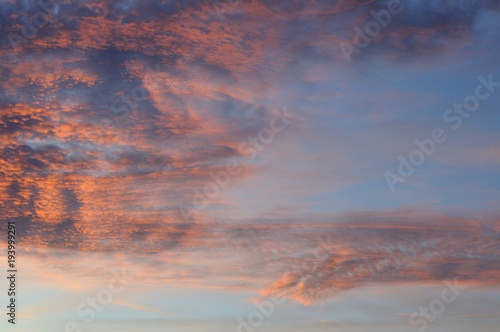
371, 249
280, 254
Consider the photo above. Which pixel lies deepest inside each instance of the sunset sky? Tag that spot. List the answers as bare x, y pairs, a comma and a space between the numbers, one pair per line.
209, 157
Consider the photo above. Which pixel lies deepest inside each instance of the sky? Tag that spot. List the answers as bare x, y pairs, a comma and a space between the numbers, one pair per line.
263, 165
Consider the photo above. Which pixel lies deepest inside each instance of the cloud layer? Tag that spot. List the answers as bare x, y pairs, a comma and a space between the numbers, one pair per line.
113, 112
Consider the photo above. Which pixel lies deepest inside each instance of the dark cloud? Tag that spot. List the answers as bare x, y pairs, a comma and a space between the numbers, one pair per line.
283, 6
448, 13
17, 123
